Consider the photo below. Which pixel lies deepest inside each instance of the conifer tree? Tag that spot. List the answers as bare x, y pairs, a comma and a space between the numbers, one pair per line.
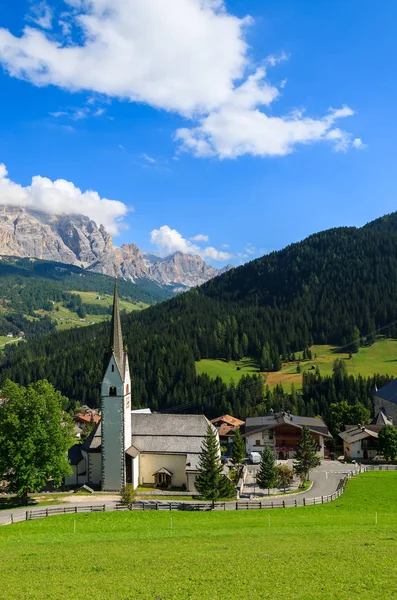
306, 455
238, 450
208, 481
267, 474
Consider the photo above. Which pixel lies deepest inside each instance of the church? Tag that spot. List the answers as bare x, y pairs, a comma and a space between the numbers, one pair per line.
135, 446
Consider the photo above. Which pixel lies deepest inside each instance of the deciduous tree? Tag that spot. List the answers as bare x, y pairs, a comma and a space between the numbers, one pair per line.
285, 476
35, 435
388, 442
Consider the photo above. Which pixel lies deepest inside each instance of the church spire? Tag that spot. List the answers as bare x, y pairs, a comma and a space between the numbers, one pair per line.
116, 337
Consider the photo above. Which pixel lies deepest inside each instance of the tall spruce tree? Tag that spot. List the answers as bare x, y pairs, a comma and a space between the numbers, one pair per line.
238, 450
266, 477
306, 455
209, 480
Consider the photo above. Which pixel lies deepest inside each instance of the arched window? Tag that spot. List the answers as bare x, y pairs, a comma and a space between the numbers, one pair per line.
127, 389
112, 391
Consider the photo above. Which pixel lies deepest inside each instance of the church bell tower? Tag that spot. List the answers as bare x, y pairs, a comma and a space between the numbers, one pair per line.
115, 407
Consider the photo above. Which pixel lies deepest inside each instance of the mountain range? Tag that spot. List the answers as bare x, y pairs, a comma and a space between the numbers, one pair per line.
77, 240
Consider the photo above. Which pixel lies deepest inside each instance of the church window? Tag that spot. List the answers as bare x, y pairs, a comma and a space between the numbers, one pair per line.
127, 389
112, 368
112, 391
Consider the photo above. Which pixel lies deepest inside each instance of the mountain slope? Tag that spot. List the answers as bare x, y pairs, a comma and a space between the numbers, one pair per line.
317, 291
76, 240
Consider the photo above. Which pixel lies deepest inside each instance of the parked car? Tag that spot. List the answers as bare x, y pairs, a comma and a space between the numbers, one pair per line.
255, 458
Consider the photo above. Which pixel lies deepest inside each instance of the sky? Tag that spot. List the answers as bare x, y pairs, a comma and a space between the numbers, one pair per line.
224, 129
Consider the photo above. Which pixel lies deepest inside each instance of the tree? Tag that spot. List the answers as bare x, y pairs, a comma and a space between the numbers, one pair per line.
285, 476
35, 435
238, 450
208, 481
267, 474
306, 457
226, 488
355, 340
339, 368
342, 413
127, 495
388, 442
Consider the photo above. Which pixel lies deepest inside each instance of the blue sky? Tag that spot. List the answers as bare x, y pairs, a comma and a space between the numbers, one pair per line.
250, 123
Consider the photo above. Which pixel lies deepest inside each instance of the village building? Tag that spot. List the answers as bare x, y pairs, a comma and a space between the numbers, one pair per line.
226, 426
281, 432
135, 447
385, 400
360, 442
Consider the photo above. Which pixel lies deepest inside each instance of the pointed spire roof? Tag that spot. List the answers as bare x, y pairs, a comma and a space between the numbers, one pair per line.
116, 336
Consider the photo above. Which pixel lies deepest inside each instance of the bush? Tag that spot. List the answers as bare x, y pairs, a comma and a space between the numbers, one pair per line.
127, 495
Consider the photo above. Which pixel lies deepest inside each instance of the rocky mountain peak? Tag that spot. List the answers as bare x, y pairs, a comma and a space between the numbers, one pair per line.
77, 240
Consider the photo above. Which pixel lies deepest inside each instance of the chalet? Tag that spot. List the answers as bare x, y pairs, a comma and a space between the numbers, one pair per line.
226, 426
135, 447
281, 432
360, 442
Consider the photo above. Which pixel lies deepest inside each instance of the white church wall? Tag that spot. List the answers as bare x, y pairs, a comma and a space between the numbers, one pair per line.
95, 468
175, 463
191, 482
135, 472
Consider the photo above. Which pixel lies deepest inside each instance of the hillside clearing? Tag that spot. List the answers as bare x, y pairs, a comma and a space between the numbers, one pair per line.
381, 358
329, 551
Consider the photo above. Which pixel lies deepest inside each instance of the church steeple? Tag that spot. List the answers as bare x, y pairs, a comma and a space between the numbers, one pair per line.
116, 336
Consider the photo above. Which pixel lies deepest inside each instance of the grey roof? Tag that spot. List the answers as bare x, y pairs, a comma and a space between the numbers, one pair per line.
159, 433
381, 419
254, 424
388, 392
94, 440
358, 433
171, 424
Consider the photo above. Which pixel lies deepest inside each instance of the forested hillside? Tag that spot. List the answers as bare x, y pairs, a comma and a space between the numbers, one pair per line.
317, 291
30, 288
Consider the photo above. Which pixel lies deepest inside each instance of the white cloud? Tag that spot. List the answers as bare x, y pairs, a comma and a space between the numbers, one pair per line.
42, 15
169, 240
61, 197
200, 238
187, 56
250, 249
149, 159
358, 144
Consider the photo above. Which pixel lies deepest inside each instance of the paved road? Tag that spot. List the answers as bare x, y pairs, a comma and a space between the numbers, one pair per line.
325, 481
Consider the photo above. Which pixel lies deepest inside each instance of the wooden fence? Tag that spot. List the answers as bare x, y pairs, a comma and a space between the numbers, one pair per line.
285, 502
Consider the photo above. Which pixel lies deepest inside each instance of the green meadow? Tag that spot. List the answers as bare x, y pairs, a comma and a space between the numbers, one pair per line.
381, 358
345, 549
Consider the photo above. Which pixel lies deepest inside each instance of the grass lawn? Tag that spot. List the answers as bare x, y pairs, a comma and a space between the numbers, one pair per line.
381, 357
227, 370
331, 551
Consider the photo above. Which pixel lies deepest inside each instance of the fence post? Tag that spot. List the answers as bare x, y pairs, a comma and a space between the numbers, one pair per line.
75, 509
304, 501
260, 504
46, 512
272, 504
296, 502
236, 505
224, 506
322, 499
169, 504
27, 515
12, 518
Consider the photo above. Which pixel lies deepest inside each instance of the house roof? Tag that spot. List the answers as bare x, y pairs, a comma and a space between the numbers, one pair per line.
360, 433
257, 424
163, 470
381, 419
224, 429
87, 418
388, 392
228, 420
160, 434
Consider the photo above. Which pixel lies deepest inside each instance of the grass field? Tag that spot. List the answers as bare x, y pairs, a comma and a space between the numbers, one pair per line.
331, 551
227, 370
381, 357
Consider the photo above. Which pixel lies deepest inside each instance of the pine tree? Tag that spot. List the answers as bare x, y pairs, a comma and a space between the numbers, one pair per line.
208, 481
267, 474
306, 457
238, 450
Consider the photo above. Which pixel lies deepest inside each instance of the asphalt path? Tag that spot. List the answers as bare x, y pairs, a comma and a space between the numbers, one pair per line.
325, 480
